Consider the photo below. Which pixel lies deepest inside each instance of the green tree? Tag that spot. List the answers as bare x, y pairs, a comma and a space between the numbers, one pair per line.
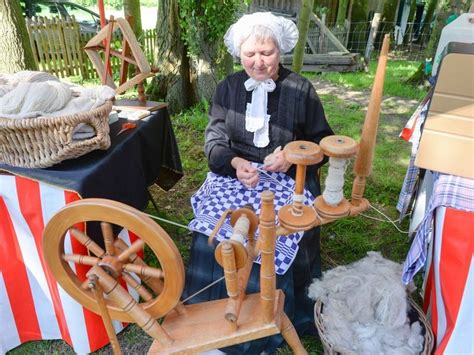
131, 8
190, 49
341, 12
15, 49
303, 25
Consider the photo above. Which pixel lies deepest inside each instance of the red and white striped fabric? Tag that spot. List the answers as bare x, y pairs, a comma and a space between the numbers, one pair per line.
32, 305
449, 295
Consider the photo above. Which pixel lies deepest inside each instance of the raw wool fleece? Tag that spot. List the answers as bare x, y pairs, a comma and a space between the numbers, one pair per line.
365, 308
30, 94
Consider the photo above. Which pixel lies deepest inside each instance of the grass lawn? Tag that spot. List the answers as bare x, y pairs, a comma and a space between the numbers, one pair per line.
398, 71
342, 242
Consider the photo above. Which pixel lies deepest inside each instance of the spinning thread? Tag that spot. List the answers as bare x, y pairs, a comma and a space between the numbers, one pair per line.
333, 193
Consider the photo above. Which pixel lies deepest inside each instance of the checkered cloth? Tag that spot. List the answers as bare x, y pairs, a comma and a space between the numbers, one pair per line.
408, 188
219, 193
448, 191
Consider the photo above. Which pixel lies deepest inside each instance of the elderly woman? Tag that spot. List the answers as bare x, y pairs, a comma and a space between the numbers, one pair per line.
253, 113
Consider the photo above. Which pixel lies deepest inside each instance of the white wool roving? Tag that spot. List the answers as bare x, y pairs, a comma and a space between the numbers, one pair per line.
34, 99
35, 94
365, 308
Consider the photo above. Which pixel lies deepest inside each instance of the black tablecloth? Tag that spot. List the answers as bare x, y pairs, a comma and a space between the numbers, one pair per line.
136, 159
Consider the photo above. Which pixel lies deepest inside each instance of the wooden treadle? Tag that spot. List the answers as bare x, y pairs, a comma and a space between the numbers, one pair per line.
191, 334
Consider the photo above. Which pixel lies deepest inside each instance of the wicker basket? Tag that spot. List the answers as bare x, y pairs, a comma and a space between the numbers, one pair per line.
416, 314
44, 141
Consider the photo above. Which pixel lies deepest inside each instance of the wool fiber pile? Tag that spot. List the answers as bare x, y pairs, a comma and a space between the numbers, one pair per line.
29, 94
365, 308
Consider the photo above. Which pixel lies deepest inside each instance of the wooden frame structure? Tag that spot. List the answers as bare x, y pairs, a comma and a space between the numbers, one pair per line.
199, 327
131, 54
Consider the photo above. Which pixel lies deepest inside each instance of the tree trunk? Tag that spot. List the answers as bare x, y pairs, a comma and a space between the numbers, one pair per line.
15, 48
132, 8
429, 14
341, 12
172, 84
204, 71
303, 25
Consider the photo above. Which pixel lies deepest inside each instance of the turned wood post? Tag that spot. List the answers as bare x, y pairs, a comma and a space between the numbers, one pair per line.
127, 303
363, 163
267, 269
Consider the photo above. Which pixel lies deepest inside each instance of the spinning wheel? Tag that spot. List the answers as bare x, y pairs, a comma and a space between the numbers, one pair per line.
219, 323
117, 260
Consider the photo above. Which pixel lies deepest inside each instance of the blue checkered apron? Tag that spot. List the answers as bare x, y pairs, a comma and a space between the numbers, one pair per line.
219, 193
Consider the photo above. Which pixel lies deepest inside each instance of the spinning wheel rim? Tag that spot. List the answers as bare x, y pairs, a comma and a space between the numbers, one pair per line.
129, 218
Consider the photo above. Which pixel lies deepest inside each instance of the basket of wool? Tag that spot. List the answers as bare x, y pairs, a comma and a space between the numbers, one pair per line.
364, 308
44, 121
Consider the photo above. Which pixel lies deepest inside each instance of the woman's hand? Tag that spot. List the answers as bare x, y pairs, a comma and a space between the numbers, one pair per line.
245, 172
277, 163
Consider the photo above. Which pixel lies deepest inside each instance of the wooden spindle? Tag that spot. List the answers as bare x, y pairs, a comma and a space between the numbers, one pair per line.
142, 291
267, 244
291, 337
104, 313
127, 303
363, 163
155, 284
143, 270
81, 259
133, 249
108, 235
299, 217
87, 242
231, 281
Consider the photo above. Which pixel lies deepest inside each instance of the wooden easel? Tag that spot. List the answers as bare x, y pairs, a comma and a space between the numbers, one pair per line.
199, 327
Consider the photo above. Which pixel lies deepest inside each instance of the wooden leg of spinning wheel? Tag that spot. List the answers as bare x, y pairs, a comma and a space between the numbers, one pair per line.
104, 313
127, 303
291, 337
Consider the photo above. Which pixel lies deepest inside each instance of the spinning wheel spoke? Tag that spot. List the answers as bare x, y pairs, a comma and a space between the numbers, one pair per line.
155, 284
81, 259
134, 248
116, 261
142, 291
87, 242
143, 270
108, 235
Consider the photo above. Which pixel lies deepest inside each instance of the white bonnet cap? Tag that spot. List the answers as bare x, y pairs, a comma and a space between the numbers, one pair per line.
284, 31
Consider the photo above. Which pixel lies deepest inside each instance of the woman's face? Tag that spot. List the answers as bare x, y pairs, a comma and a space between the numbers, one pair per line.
260, 58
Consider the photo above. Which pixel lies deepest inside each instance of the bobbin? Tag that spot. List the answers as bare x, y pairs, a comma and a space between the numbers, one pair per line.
245, 222
339, 147
298, 216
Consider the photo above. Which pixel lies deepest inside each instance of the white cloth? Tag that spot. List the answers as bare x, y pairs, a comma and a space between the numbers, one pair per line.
256, 117
284, 31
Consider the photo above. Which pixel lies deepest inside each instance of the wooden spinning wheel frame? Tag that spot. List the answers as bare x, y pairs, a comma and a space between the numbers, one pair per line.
119, 263
223, 322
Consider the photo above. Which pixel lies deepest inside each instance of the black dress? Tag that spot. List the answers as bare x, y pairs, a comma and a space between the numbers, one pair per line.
295, 113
